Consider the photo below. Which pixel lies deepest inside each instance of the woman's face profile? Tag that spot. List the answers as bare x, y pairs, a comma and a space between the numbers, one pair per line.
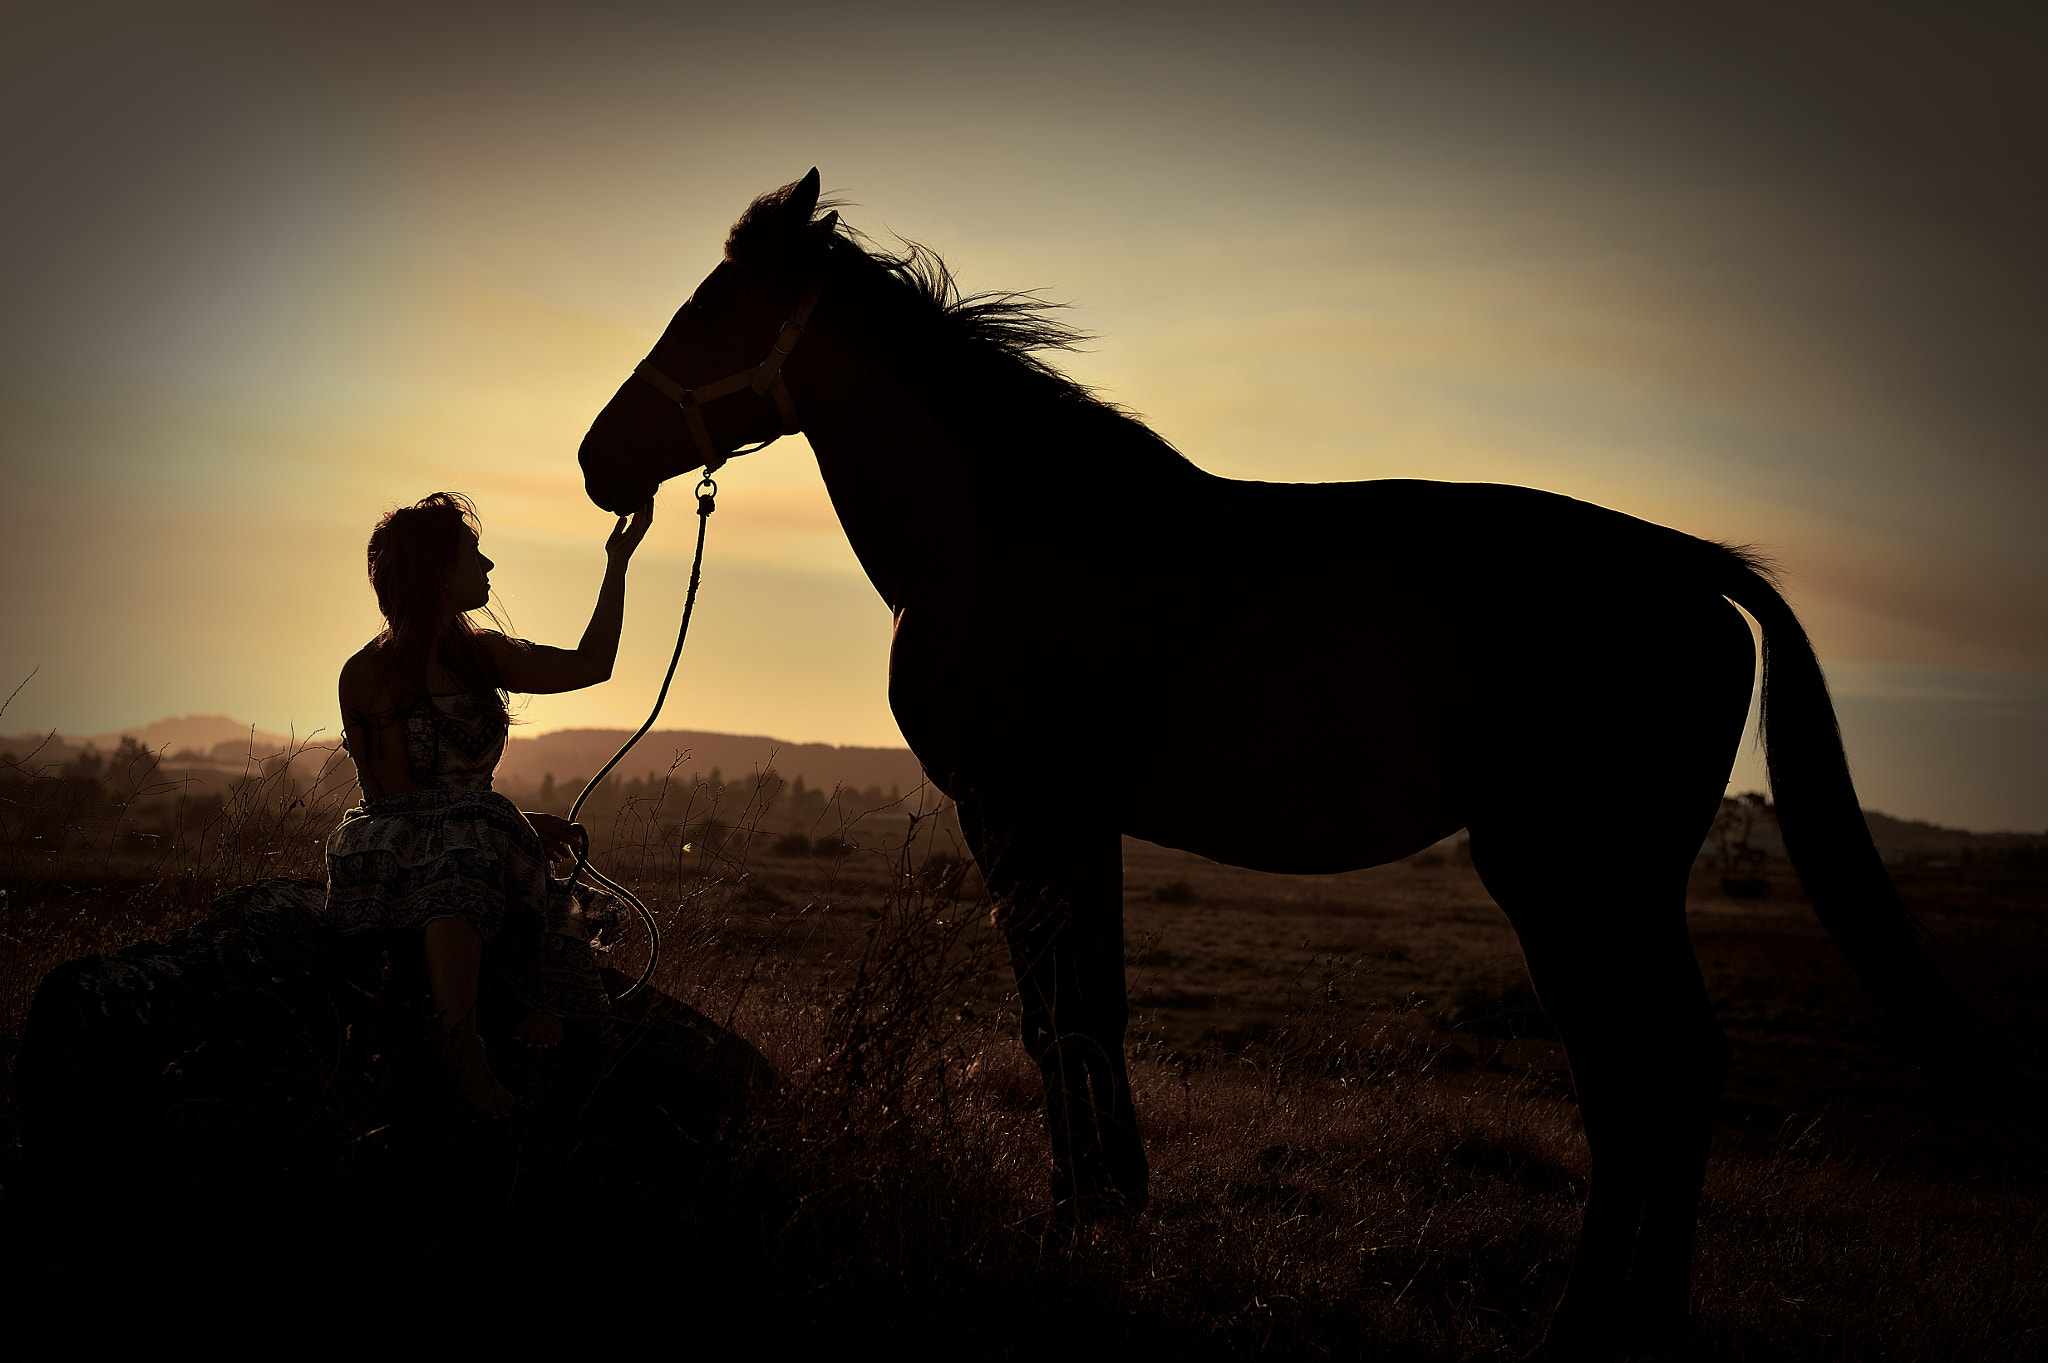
468, 584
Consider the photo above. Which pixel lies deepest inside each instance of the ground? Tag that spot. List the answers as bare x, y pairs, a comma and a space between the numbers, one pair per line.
1363, 1137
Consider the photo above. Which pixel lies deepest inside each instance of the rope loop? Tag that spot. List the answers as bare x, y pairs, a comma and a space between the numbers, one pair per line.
704, 509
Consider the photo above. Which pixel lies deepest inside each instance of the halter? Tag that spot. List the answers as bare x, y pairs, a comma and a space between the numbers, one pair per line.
765, 379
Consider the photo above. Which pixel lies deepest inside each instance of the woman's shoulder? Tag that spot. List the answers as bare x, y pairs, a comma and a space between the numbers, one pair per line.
365, 664
365, 682
500, 646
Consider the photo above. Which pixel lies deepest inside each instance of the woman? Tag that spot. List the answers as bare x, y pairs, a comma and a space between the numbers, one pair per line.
432, 848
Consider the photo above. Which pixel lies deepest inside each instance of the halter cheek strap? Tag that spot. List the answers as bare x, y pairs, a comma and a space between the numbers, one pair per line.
765, 379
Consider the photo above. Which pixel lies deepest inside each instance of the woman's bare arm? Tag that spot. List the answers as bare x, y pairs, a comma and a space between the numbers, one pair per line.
539, 670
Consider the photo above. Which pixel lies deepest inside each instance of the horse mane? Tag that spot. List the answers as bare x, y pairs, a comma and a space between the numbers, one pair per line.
991, 347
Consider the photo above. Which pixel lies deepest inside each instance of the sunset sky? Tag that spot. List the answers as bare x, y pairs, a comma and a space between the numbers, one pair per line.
1769, 274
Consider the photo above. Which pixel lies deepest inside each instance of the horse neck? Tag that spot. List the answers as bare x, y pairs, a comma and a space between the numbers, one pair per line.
895, 469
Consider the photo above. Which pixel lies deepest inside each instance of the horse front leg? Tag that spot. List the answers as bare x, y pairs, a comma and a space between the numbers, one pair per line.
1058, 891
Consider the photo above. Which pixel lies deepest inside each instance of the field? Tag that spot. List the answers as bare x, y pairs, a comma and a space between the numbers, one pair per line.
1363, 1136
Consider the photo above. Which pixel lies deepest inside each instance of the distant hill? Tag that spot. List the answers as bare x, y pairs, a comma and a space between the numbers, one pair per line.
213, 737
576, 754
1914, 838
199, 733
1898, 840
567, 754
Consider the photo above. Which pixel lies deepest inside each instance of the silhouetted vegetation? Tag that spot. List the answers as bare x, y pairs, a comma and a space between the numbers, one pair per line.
1365, 1145
104, 848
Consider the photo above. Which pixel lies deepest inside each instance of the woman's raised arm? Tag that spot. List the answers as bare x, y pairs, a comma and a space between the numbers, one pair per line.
539, 670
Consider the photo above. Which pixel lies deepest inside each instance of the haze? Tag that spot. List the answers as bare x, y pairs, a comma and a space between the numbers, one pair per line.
1769, 277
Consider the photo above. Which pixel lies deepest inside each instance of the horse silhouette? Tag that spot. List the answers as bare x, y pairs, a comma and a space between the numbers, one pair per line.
1087, 624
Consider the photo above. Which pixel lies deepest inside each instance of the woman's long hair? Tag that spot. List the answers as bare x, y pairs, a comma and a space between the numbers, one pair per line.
411, 552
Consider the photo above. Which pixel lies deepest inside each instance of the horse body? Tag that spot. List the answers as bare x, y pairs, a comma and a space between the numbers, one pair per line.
1383, 648
1394, 653
1088, 628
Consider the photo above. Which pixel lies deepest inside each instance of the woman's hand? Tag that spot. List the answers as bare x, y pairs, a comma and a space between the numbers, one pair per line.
627, 534
538, 669
562, 839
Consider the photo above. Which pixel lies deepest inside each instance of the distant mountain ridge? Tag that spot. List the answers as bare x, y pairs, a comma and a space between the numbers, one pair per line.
212, 736
569, 755
199, 733
576, 754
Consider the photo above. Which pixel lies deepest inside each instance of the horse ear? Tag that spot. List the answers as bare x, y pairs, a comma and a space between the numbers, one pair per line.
827, 223
803, 200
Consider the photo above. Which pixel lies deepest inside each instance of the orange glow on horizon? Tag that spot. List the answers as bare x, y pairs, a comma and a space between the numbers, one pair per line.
341, 271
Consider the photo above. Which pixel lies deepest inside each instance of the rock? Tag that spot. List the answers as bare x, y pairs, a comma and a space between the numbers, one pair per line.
212, 1032
258, 1076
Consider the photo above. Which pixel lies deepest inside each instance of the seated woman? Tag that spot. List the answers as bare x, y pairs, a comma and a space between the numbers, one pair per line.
432, 848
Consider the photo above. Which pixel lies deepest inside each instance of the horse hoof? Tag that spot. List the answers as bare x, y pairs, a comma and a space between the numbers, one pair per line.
1575, 1335
1079, 1205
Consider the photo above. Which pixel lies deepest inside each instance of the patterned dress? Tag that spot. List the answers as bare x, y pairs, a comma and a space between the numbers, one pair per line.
461, 850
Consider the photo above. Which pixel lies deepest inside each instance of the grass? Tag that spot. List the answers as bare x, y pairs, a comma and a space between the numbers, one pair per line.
1362, 1137
95, 855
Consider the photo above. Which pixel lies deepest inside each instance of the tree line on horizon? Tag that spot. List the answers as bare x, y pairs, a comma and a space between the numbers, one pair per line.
53, 786
766, 798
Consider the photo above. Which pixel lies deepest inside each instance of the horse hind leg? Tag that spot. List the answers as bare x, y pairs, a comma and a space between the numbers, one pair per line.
1648, 1068
1059, 902
1614, 969
1660, 1274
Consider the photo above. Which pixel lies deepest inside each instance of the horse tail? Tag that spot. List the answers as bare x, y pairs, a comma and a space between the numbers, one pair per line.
1830, 846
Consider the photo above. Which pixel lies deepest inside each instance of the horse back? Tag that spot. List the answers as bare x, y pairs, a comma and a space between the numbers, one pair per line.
1387, 653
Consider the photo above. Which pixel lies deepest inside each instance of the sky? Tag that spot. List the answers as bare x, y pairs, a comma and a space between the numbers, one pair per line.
1770, 274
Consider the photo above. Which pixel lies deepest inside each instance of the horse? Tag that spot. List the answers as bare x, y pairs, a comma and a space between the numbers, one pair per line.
1085, 623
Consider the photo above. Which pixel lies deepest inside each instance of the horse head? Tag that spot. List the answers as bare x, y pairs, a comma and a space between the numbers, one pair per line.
706, 392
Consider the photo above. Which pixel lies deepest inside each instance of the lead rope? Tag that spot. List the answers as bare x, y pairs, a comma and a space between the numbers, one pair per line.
707, 492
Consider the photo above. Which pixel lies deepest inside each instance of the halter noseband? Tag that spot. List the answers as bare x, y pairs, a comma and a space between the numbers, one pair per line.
765, 379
